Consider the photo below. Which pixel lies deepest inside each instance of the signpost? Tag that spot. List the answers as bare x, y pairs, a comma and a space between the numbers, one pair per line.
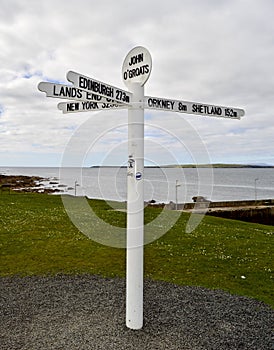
91, 94
136, 70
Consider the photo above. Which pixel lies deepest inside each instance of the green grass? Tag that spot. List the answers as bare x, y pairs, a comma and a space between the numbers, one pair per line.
38, 238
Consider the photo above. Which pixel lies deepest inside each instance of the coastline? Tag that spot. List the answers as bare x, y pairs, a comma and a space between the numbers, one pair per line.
29, 184
258, 211
227, 185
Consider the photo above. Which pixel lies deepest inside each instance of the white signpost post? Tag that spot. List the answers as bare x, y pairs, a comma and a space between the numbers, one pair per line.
89, 94
136, 70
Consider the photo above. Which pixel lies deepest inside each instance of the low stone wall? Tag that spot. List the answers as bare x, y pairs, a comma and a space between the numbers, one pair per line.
259, 215
226, 204
259, 211
242, 203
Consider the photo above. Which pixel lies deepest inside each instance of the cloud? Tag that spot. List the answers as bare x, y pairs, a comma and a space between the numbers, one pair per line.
215, 52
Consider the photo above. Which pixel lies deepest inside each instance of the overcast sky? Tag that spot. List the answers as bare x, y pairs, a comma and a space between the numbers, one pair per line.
210, 51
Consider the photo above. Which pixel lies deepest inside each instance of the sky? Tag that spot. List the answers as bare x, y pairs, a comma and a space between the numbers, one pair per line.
208, 51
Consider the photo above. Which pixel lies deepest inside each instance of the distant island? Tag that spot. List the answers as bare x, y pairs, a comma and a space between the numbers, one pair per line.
215, 165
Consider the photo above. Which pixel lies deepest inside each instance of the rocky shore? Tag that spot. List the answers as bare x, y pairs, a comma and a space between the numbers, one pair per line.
22, 183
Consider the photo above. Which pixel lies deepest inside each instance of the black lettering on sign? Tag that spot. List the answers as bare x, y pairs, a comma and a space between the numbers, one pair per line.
90, 96
96, 87
194, 109
164, 104
159, 103
110, 105
54, 91
121, 96
109, 100
89, 105
229, 112
149, 102
182, 107
136, 59
135, 72
73, 106
205, 109
67, 91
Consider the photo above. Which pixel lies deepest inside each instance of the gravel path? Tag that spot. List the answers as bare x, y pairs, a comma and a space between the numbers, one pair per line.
88, 312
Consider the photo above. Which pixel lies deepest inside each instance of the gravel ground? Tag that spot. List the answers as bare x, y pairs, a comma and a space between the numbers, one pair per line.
88, 312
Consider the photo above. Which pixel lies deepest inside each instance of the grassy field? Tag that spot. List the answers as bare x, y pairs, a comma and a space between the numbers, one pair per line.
38, 238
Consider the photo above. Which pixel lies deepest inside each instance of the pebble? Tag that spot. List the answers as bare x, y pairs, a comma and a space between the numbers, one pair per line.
88, 312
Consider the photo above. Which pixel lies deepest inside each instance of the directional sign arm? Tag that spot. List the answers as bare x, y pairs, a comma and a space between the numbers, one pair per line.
87, 106
192, 108
69, 92
99, 88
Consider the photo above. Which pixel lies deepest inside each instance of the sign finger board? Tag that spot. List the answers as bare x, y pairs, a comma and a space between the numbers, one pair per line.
87, 106
70, 92
192, 108
99, 88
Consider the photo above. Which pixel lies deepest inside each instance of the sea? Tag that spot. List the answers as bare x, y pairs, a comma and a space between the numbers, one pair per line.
162, 185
